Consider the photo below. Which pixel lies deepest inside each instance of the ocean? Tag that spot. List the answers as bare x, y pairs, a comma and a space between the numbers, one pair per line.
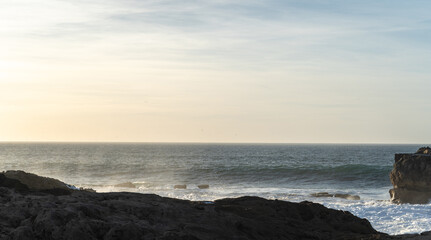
357, 174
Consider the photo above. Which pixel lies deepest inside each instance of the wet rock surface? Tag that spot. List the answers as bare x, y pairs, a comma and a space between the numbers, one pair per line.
203, 186
411, 177
29, 214
336, 195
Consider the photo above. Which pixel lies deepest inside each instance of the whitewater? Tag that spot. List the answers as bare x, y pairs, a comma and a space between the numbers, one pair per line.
359, 173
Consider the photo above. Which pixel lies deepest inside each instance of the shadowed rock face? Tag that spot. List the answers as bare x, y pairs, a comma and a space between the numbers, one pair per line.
29, 214
35, 182
411, 177
86, 215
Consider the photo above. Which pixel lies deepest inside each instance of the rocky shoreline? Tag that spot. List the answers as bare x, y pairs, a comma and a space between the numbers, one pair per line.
46, 208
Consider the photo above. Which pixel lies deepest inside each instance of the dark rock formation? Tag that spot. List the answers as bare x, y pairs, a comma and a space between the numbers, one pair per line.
29, 214
86, 215
12, 183
411, 177
38, 183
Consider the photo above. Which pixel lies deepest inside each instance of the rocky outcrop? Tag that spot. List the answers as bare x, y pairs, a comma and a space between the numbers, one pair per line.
34, 182
86, 215
411, 177
28, 214
424, 150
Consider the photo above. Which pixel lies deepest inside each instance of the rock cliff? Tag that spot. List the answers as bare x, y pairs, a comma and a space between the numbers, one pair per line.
411, 177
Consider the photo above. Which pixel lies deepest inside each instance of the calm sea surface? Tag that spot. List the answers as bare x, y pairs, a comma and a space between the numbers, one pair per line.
290, 172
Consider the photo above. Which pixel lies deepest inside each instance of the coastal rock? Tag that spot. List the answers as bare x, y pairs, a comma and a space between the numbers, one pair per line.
180, 186
411, 177
35, 182
336, 195
203, 186
12, 183
403, 195
88, 215
424, 150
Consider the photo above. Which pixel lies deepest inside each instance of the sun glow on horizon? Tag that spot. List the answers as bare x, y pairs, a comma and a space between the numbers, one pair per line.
162, 71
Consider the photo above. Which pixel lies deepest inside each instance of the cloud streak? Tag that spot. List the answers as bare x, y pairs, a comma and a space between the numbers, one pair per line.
237, 60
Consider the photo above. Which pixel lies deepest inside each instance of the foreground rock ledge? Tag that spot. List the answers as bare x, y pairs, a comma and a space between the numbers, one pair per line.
30, 214
411, 177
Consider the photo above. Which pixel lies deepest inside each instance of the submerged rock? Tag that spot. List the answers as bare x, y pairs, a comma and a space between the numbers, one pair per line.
336, 195
203, 186
411, 177
180, 186
126, 185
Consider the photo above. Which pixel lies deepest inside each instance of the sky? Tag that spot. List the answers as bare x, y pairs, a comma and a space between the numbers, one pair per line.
305, 71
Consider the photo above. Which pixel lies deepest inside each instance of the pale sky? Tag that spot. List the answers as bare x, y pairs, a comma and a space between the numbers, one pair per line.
215, 71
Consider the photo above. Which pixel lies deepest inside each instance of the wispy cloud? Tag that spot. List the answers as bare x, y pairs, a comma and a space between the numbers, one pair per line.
262, 33
217, 58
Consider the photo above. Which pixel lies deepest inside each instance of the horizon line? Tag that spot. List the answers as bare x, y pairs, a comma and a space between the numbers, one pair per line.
216, 142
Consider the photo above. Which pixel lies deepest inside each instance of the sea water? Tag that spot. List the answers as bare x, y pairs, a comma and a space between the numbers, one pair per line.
292, 172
